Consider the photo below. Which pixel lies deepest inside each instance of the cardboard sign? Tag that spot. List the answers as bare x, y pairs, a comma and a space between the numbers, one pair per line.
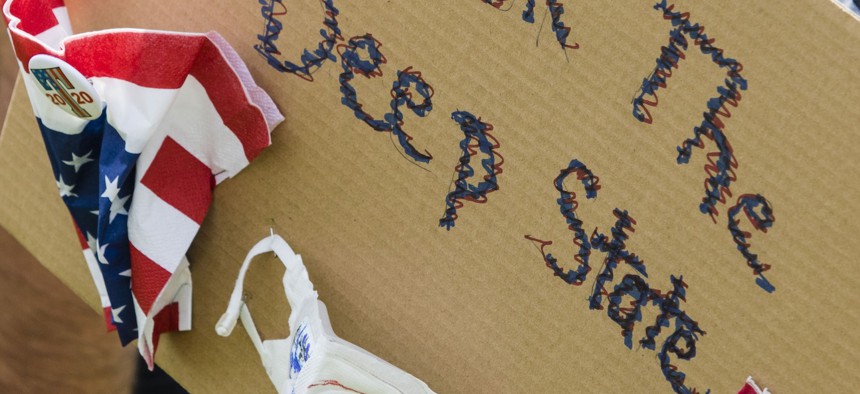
516, 196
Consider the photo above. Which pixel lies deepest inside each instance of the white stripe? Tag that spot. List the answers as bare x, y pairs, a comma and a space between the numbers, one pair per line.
144, 116
196, 125
26, 77
54, 36
97, 277
134, 111
62, 15
158, 230
849, 7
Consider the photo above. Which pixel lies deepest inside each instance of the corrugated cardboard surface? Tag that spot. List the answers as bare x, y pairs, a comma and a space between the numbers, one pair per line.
475, 309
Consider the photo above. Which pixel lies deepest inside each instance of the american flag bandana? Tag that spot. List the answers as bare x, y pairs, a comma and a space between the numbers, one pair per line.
139, 127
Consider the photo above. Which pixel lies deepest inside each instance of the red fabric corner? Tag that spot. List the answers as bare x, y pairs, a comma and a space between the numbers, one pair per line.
147, 278
747, 389
36, 15
165, 321
108, 319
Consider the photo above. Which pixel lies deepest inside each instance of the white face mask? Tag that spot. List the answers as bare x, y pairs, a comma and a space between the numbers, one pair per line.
313, 359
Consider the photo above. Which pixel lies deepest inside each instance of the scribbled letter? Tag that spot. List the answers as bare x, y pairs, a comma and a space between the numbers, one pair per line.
670, 308
361, 55
616, 252
669, 58
477, 139
556, 10
627, 316
761, 220
409, 82
567, 205
310, 61
685, 352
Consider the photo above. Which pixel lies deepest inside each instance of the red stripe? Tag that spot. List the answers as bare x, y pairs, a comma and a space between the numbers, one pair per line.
36, 15
154, 60
165, 321
147, 278
747, 389
228, 95
106, 311
182, 181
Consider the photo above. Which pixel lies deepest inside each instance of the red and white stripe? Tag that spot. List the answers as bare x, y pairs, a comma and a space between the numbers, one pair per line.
188, 105
751, 388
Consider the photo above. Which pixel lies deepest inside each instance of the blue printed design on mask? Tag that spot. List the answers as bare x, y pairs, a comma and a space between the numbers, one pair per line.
300, 352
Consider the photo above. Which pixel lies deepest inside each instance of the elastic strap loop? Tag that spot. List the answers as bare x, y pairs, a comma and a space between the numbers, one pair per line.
296, 280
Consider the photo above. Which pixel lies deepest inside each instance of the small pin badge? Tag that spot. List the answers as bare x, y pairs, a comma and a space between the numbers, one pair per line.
65, 87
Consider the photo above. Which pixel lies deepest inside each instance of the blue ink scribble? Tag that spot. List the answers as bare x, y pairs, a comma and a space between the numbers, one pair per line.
367, 64
310, 61
633, 288
477, 139
555, 9
409, 82
686, 352
669, 58
670, 308
362, 55
567, 205
626, 317
616, 251
761, 220
721, 163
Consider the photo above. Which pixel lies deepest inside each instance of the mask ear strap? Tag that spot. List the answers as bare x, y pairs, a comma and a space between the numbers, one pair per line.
248, 323
296, 275
297, 284
228, 320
